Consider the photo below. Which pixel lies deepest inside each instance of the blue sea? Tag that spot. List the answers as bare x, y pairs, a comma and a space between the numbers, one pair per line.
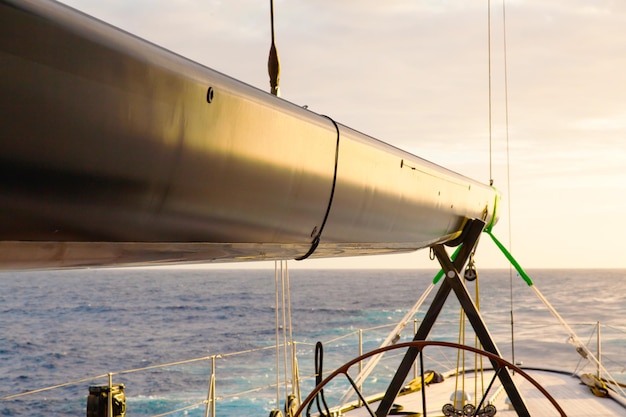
64, 326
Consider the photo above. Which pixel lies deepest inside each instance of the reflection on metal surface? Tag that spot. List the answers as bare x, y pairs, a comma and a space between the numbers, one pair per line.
114, 151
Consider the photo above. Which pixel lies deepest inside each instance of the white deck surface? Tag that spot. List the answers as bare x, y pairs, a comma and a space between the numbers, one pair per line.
575, 398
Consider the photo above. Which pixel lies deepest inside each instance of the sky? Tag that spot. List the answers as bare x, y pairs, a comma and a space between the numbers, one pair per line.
415, 74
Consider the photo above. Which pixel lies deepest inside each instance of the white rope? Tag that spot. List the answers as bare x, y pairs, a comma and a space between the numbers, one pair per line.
295, 379
283, 321
277, 336
489, 89
392, 337
289, 323
580, 347
283, 279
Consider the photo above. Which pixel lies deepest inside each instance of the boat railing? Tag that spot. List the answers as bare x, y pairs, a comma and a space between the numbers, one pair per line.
208, 368
223, 376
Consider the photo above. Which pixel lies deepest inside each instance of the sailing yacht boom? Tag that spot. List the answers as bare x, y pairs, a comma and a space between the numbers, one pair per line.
115, 151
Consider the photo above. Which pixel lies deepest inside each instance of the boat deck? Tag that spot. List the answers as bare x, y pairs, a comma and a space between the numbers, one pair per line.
574, 397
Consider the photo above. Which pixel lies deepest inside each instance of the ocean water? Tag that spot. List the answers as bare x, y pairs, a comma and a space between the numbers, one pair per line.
63, 326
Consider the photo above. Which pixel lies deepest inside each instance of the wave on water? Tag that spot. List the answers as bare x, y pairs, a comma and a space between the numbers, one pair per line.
68, 325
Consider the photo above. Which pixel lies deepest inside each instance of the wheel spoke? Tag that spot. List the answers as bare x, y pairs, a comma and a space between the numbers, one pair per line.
358, 392
482, 400
498, 363
421, 354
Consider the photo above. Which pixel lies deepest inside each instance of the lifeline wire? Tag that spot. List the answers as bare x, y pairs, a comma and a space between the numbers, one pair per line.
579, 345
392, 335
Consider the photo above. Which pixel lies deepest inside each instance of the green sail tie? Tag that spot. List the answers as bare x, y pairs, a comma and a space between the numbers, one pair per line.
508, 255
494, 216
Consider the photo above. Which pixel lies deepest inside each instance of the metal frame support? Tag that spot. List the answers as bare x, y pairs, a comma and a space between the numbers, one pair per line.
453, 282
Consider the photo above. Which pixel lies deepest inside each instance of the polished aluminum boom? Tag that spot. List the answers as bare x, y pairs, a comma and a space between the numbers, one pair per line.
114, 151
